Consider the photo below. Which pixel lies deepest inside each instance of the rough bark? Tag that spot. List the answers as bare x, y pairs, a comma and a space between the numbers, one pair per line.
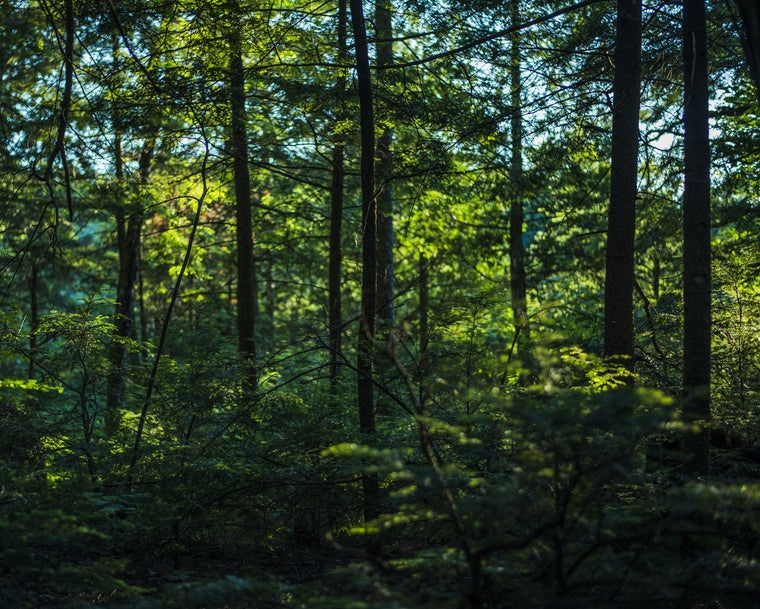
696, 235
621, 217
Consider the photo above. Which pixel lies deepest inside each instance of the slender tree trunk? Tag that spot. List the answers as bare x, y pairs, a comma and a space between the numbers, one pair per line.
696, 235
386, 309
656, 275
129, 221
621, 218
35, 315
517, 279
365, 389
424, 336
335, 319
270, 302
129, 235
247, 288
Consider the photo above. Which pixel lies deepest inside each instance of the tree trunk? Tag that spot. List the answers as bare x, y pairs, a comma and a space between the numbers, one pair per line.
384, 175
270, 303
129, 235
247, 288
621, 218
424, 336
335, 320
517, 278
129, 221
696, 235
35, 315
142, 312
365, 389
656, 277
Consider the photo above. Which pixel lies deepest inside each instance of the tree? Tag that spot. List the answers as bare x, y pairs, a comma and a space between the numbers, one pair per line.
488, 488
129, 237
335, 320
366, 331
517, 278
621, 217
697, 283
384, 171
247, 284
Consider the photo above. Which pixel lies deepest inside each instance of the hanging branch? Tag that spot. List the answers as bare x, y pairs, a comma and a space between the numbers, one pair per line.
59, 148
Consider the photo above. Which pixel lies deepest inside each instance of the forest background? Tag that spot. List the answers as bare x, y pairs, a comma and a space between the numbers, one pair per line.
392, 304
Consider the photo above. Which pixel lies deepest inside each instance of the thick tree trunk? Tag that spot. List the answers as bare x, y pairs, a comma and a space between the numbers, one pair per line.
621, 218
365, 389
696, 236
335, 318
247, 288
384, 176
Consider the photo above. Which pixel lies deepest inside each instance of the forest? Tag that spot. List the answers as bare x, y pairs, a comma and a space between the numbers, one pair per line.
402, 304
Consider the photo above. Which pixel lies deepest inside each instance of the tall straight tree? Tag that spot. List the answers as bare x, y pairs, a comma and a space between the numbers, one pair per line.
384, 174
365, 388
697, 315
336, 203
517, 279
621, 217
247, 288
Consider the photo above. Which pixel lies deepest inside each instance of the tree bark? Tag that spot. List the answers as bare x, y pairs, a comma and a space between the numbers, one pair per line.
335, 319
247, 288
365, 388
386, 309
696, 235
621, 218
